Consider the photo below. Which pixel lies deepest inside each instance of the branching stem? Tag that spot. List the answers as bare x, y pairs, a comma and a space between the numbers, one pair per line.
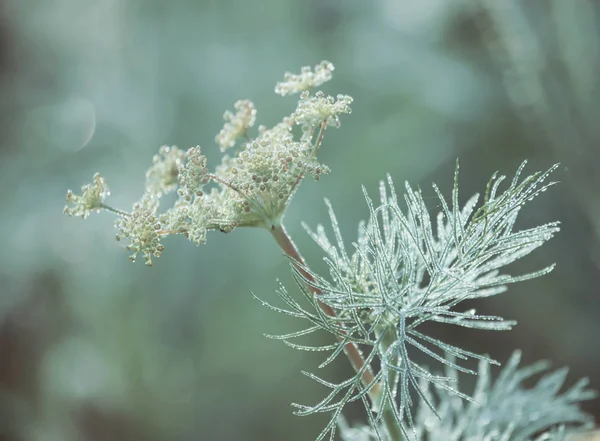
319, 140
114, 210
351, 350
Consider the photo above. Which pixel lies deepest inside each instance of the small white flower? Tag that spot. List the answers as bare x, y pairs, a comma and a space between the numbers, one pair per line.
161, 178
91, 199
142, 227
307, 79
312, 110
192, 174
236, 125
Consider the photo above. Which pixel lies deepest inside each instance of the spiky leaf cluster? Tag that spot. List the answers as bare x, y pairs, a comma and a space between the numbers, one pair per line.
250, 187
501, 410
407, 269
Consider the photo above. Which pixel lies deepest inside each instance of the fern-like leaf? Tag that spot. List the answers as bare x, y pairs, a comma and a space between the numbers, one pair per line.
404, 272
503, 410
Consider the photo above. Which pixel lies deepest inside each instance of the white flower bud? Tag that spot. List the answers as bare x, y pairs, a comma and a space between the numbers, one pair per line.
236, 125
91, 199
307, 79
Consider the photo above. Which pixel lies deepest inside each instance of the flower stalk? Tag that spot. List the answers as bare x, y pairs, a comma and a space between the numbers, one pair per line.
351, 350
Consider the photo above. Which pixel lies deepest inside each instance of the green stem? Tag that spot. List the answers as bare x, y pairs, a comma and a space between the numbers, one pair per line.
389, 421
388, 418
319, 137
114, 210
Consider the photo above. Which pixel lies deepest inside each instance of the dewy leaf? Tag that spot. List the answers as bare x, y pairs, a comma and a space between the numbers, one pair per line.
407, 270
501, 410
505, 409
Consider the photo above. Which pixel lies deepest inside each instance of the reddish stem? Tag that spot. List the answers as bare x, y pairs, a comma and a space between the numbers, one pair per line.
351, 350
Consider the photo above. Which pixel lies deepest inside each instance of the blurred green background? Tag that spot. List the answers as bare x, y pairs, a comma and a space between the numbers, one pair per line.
95, 348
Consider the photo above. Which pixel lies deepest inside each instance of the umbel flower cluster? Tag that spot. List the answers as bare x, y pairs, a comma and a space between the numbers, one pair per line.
251, 187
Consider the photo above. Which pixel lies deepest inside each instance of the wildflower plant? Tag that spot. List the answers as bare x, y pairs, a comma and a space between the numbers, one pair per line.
406, 268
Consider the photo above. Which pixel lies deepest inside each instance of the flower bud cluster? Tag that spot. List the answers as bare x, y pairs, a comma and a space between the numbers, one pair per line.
307, 79
281, 132
142, 227
250, 187
91, 199
192, 174
266, 174
162, 177
237, 124
312, 110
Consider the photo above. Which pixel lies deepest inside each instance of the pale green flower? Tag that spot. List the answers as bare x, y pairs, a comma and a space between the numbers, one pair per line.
91, 199
307, 79
251, 187
237, 124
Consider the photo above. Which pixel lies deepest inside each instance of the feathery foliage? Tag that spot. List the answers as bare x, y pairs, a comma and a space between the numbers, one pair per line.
402, 273
501, 410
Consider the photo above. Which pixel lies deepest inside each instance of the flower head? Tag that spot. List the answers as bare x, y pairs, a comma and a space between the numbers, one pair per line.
142, 228
263, 177
162, 176
237, 124
91, 199
313, 110
307, 79
252, 185
193, 174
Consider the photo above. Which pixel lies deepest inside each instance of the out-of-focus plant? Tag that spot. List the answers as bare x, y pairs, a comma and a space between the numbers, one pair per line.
406, 269
548, 54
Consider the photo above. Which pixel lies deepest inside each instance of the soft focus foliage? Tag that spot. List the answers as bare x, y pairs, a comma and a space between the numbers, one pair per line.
502, 409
